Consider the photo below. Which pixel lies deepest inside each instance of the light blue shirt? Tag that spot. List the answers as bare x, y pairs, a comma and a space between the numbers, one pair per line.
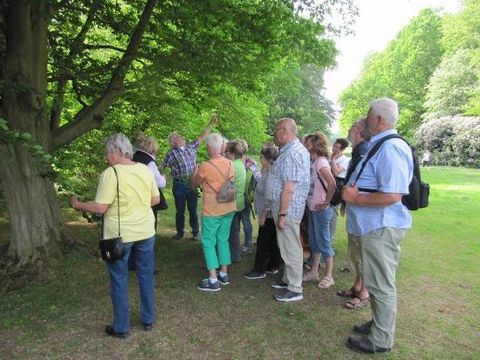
292, 164
390, 170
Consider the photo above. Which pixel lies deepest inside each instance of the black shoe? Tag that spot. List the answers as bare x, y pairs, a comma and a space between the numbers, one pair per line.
148, 327
254, 275
177, 237
272, 271
363, 345
279, 285
224, 280
363, 328
109, 330
289, 296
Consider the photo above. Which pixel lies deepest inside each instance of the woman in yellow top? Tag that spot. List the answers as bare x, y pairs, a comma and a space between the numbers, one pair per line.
137, 193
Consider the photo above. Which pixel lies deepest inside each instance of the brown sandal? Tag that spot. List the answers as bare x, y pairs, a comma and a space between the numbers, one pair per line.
356, 302
347, 293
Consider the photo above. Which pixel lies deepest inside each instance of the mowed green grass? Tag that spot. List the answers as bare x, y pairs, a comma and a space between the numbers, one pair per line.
438, 298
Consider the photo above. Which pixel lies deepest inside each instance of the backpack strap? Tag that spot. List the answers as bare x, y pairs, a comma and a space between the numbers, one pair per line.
226, 177
371, 153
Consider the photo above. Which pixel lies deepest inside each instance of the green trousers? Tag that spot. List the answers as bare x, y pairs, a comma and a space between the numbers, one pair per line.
380, 256
215, 233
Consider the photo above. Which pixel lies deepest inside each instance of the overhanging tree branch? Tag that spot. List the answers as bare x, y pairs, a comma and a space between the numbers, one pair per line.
91, 116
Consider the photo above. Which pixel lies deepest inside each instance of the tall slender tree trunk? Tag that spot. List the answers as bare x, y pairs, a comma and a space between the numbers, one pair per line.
35, 219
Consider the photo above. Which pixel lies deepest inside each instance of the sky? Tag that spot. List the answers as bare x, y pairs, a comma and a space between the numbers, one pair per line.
378, 23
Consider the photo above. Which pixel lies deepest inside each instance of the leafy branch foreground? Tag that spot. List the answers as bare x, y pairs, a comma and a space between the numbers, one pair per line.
438, 287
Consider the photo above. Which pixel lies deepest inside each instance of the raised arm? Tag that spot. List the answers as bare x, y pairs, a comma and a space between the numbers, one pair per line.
209, 127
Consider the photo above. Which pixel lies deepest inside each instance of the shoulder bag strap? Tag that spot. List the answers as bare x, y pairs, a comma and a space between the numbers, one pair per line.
226, 177
118, 206
371, 153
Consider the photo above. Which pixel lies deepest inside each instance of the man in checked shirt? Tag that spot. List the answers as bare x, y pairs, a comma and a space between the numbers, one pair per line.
181, 159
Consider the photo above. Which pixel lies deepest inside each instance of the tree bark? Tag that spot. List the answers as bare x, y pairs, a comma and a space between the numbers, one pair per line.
35, 218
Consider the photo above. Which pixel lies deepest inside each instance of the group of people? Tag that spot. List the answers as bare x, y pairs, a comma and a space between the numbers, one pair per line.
297, 180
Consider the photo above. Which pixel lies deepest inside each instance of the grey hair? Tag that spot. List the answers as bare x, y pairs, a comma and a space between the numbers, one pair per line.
385, 108
362, 124
215, 141
121, 143
172, 136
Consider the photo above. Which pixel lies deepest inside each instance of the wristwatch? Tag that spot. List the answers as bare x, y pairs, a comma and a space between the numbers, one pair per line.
279, 215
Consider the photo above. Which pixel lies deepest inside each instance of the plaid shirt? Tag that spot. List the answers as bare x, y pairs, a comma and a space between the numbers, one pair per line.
182, 160
292, 164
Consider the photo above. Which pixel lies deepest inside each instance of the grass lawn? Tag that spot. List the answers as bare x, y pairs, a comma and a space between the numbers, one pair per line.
438, 298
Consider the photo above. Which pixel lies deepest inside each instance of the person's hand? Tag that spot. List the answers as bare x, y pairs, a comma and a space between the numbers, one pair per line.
350, 194
74, 202
282, 222
321, 206
213, 119
261, 219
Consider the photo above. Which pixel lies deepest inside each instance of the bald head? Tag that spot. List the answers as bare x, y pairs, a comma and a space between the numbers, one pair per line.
285, 131
289, 124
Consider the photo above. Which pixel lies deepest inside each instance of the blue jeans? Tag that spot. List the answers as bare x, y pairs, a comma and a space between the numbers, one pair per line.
118, 271
184, 195
247, 226
319, 232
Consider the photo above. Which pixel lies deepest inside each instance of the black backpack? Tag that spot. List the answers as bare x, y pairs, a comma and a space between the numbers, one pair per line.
417, 197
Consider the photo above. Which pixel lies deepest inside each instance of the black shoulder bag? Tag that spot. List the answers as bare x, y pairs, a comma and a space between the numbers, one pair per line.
112, 249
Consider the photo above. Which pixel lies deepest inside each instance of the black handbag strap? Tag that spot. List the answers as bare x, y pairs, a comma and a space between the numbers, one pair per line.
371, 153
118, 206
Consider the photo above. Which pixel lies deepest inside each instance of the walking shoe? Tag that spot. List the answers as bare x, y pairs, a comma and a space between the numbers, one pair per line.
109, 330
224, 280
364, 345
247, 250
196, 237
272, 271
289, 296
363, 328
206, 285
177, 237
279, 285
147, 327
254, 275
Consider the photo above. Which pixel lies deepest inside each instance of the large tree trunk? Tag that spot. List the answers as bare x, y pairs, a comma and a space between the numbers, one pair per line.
35, 220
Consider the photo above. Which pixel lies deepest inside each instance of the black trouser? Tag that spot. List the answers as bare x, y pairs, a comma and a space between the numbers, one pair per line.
268, 254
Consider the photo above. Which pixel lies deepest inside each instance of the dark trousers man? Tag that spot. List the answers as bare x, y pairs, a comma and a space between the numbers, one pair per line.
185, 196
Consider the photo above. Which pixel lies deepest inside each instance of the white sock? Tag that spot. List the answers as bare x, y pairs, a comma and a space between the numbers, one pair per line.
222, 274
212, 280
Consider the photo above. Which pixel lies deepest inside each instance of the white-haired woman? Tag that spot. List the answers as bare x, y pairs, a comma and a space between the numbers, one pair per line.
216, 216
137, 193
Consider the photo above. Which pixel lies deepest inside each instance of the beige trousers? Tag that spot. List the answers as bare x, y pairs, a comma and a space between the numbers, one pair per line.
380, 256
292, 253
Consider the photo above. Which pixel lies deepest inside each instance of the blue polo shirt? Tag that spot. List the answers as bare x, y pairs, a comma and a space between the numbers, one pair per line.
390, 170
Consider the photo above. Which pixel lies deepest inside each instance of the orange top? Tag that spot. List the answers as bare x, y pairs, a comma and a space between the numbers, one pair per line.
213, 179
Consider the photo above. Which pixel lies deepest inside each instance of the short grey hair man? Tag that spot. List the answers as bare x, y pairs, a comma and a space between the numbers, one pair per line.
215, 142
121, 143
387, 109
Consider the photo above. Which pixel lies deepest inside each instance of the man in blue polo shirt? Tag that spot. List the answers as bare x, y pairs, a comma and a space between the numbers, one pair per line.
380, 221
182, 160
